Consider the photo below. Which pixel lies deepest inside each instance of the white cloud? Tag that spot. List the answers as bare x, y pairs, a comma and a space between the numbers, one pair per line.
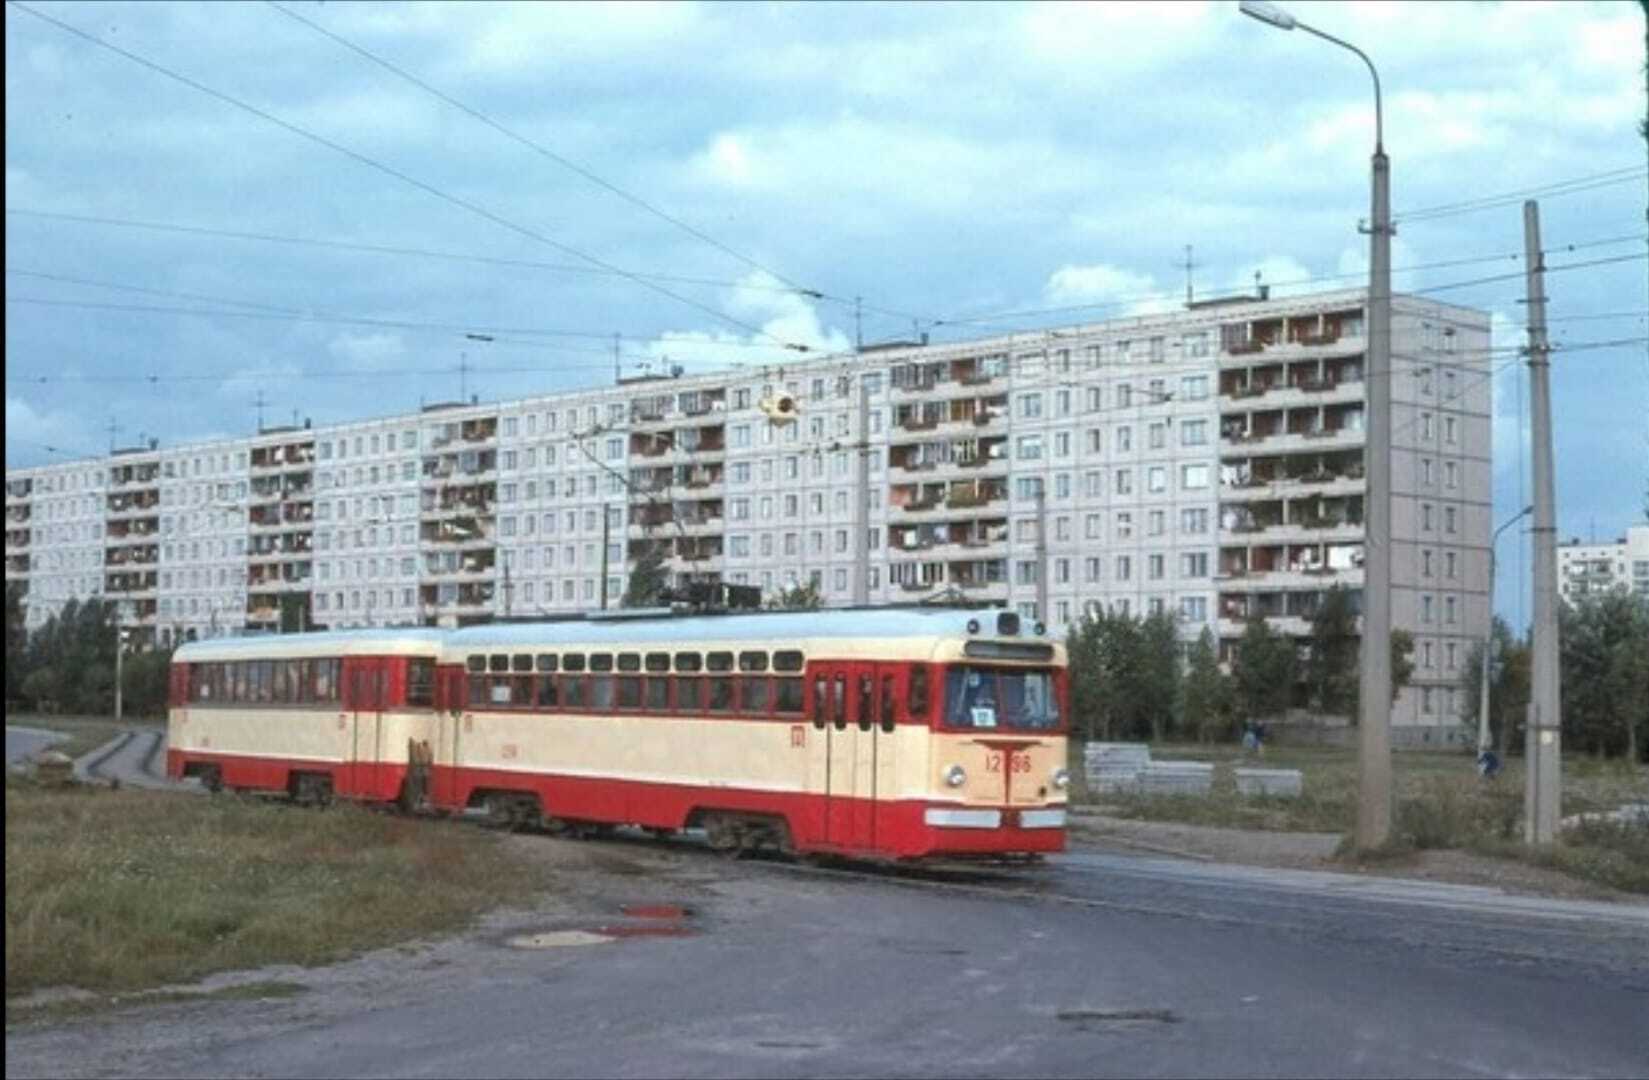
781, 318
34, 429
367, 350
519, 38
1102, 284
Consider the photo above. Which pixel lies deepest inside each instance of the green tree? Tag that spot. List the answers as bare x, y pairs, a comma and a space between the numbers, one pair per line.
1402, 661
1262, 671
76, 645
803, 597
1508, 687
17, 639
143, 682
1156, 683
648, 579
1207, 693
1603, 643
1331, 666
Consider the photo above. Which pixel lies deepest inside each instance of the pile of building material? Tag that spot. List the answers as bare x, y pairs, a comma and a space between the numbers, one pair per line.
1176, 778
1279, 783
1117, 768
1112, 767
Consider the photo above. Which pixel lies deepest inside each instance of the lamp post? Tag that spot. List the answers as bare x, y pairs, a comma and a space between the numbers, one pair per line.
1488, 638
1374, 792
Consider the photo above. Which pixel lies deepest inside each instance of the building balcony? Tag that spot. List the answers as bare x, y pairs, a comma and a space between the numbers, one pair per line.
1293, 442
132, 511
17, 515
1291, 625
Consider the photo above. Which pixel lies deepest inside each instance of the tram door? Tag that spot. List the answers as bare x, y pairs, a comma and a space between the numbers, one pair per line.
367, 679
888, 694
450, 717
847, 717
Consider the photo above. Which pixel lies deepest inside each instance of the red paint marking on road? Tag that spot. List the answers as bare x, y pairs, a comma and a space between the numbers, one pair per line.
655, 911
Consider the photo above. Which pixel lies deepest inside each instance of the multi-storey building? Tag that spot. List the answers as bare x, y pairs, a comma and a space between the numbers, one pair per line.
1589, 569
1206, 463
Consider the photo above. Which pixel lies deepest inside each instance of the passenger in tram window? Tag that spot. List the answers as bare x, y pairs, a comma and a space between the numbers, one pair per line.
547, 698
601, 692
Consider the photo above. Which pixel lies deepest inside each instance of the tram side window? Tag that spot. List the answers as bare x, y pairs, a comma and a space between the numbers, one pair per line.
572, 691
789, 696
548, 698
629, 690
601, 691
752, 661
888, 700
789, 660
689, 695
420, 681
821, 701
867, 701
199, 688
240, 691
919, 691
838, 701
657, 693
278, 692
326, 680
757, 695
721, 692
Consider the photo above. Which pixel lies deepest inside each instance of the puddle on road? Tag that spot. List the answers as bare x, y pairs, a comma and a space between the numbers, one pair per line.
656, 921
555, 939
1160, 1016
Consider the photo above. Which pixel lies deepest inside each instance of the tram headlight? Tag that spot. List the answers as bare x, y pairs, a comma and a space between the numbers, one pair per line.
1062, 779
956, 776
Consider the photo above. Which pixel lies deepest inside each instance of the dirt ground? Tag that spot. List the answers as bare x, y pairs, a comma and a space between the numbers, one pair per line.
1315, 851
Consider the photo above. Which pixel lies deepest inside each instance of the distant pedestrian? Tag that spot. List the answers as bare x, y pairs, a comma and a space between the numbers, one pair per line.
1259, 738
1250, 737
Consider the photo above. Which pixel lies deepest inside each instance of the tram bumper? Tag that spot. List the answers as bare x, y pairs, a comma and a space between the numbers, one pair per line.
994, 830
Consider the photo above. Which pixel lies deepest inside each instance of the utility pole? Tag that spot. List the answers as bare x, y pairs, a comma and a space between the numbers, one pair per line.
1542, 795
1042, 614
120, 651
618, 371
260, 403
1374, 784
606, 531
861, 517
1189, 266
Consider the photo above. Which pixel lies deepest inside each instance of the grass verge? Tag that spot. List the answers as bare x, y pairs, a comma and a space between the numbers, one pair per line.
1441, 804
117, 891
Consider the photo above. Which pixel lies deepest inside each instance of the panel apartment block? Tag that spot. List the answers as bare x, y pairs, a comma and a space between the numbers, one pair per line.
1207, 463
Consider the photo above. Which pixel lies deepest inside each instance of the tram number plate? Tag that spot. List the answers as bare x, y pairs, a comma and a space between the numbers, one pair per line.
1019, 763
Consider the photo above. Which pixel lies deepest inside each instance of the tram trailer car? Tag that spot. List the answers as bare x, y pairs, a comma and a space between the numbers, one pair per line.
889, 734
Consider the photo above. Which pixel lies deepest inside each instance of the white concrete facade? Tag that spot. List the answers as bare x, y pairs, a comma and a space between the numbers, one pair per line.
1205, 462
1590, 569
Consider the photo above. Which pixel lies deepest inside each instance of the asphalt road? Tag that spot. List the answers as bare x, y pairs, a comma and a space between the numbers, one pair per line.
1099, 965
24, 741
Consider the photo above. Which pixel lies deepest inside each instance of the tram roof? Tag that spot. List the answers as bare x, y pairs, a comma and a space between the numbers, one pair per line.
367, 642
776, 628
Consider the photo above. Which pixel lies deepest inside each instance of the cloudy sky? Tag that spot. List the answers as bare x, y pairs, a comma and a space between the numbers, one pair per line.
315, 203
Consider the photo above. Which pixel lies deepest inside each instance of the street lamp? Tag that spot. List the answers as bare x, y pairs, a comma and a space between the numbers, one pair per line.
1488, 639
1374, 800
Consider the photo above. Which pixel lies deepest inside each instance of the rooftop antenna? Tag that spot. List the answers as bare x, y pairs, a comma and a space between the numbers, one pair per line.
858, 329
113, 427
617, 373
1189, 266
260, 403
463, 375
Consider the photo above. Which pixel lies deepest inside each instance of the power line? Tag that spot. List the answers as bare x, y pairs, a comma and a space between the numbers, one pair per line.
1552, 190
381, 249
297, 314
987, 320
537, 148
406, 178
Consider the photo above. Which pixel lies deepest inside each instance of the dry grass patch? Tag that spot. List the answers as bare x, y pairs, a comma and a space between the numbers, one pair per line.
115, 891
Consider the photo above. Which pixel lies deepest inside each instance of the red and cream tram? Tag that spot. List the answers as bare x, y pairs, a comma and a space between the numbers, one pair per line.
896, 733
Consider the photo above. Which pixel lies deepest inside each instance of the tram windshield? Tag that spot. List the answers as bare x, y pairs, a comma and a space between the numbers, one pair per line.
1000, 698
